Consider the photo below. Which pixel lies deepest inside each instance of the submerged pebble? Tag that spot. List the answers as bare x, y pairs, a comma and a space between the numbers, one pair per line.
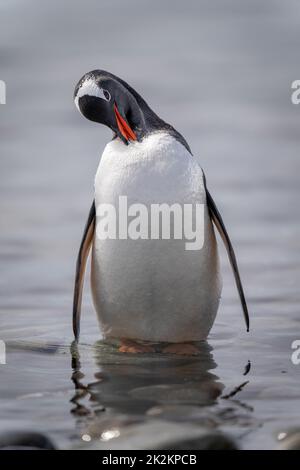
156, 435
289, 439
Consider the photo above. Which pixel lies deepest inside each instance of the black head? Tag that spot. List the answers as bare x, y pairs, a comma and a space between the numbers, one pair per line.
101, 97
104, 98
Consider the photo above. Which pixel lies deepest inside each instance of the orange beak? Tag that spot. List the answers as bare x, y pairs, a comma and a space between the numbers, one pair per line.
124, 128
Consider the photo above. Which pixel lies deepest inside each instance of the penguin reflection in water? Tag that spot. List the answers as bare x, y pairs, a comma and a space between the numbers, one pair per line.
148, 291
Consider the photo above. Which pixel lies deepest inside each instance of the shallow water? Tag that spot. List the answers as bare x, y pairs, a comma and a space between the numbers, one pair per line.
221, 74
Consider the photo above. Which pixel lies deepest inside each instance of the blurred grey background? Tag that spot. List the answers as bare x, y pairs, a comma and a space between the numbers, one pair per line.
220, 72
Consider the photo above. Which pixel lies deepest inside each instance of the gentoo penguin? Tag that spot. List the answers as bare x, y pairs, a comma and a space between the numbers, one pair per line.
147, 290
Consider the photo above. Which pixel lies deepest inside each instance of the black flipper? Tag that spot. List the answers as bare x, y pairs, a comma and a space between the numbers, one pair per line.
84, 250
217, 220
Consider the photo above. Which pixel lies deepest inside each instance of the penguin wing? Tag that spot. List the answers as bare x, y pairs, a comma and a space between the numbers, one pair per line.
84, 250
218, 221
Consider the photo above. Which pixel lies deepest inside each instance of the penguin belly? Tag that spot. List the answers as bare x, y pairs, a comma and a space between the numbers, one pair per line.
153, 289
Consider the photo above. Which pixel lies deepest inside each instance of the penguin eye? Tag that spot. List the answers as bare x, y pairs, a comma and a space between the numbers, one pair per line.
106, 94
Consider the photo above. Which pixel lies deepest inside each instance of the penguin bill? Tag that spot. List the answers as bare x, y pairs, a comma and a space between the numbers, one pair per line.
123, 221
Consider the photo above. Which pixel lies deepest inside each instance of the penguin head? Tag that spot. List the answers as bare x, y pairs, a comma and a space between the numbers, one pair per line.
104, 98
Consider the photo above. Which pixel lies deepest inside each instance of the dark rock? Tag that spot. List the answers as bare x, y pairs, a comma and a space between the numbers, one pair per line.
25, 440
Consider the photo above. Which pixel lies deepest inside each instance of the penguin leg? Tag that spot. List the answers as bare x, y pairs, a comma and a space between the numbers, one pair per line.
129, 346
86, 243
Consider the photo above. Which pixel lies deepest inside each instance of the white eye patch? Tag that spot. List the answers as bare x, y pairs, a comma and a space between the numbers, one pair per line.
89, 88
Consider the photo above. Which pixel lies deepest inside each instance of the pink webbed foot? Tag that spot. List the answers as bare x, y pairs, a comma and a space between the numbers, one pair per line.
129, 346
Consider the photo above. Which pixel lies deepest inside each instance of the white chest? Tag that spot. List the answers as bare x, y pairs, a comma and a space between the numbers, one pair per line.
153, 289
157, 169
